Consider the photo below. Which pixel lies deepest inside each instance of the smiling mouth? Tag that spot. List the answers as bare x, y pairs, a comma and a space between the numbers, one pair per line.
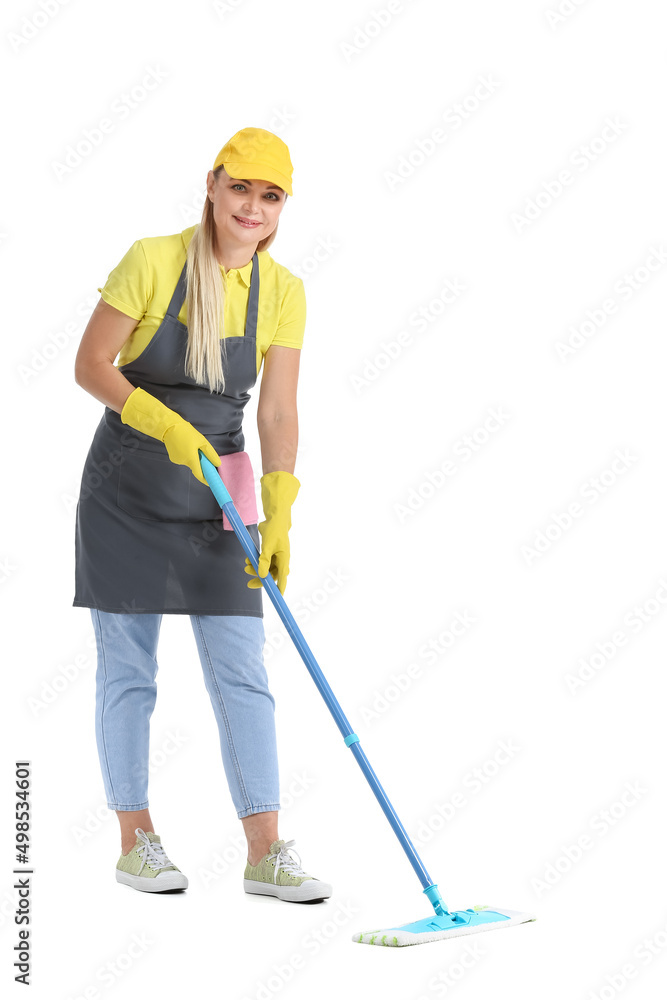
246, 222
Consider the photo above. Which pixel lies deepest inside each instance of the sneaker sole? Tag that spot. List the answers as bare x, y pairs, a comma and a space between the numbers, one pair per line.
161, 883
310, 889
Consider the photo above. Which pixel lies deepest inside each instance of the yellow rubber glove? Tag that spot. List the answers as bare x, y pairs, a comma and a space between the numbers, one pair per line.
279, 490
147, 414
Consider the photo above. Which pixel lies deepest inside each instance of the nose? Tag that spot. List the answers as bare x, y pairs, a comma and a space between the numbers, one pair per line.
251, 204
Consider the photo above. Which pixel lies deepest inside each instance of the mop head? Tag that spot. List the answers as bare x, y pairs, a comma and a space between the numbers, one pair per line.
454, 924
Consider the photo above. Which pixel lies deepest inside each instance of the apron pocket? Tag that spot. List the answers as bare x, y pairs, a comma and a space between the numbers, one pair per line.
153, 488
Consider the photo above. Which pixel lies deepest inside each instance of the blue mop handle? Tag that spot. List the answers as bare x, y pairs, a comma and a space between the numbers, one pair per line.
221, 494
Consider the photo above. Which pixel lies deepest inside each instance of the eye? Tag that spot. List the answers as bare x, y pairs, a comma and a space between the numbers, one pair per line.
269, 194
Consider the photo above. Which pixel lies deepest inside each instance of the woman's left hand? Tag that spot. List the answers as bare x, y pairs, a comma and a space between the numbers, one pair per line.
279, 490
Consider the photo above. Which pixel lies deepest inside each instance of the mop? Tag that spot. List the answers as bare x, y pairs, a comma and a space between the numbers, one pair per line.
445, 923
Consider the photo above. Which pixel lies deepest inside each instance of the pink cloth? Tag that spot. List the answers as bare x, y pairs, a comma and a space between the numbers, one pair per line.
237, 475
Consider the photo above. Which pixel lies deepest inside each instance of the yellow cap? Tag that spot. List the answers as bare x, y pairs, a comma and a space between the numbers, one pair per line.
256, 153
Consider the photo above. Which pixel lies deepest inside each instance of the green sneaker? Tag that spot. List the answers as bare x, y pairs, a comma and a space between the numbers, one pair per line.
147, 867
278, 874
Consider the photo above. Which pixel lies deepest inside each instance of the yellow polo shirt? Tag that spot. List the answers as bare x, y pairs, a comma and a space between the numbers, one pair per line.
142, 284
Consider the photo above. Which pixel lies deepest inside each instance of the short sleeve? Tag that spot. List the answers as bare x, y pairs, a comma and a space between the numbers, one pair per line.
128, 286
292, 319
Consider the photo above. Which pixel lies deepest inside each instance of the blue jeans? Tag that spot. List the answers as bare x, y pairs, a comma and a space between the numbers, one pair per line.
231, 651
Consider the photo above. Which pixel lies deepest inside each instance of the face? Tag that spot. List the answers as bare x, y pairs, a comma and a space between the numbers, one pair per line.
245, 211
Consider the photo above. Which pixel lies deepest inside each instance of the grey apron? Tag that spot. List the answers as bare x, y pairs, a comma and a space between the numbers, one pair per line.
149, 536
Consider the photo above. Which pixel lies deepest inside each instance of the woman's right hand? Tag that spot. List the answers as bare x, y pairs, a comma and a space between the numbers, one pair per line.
94, 370
183, 442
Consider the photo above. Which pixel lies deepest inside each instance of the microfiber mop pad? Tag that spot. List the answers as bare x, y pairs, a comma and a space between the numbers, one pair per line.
435, 928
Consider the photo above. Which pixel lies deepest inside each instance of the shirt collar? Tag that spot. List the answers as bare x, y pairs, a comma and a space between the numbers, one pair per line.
244, 272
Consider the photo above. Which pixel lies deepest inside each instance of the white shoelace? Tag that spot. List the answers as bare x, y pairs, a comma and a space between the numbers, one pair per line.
287, 863
152, 853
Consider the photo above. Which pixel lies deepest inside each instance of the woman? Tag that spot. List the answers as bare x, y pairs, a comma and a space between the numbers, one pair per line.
150, 538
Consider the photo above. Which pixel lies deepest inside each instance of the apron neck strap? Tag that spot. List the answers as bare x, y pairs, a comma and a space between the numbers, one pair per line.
178, 298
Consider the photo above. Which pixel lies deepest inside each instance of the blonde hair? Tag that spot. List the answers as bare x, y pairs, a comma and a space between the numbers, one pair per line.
206, 300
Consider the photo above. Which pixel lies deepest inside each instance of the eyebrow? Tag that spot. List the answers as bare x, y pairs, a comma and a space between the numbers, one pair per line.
250, 183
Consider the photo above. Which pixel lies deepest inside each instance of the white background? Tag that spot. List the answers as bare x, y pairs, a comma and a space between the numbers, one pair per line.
356, 91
